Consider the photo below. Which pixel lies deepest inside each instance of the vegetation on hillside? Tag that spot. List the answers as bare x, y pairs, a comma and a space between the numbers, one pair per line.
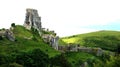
108, 40
34, 58
25, 41
78, 58
29, 50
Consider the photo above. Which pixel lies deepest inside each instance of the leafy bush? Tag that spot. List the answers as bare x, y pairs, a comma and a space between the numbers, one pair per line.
2, 59
13, 25
60, 60
1, 38
35, 58
105, 42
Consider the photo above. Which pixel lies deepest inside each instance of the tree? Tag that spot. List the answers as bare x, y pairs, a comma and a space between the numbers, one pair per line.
3, 29
118, 49
2, 59
13, 25
23, 58
35, 58
60, 60
114, 62
1, 38
40, 59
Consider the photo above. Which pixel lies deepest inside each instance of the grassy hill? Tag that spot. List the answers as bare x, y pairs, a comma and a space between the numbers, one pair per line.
22, 51
26, 40
105, 39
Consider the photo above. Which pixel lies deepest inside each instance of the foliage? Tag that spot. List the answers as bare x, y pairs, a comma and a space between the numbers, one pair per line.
36, 58
105, 42
2, 59
34, 31
3, 28
60, 60
117, 50
108, 40
114, 62
1, 38
13, 25
25, 41
78, 58
29, 50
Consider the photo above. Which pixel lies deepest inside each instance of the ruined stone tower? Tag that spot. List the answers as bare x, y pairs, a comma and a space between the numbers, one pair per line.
33, 20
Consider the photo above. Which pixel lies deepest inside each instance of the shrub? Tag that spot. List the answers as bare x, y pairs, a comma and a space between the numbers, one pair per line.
13, 25
60, 60
35, 58
1, 38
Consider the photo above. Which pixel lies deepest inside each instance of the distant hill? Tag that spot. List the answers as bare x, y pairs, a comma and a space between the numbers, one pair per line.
104, 39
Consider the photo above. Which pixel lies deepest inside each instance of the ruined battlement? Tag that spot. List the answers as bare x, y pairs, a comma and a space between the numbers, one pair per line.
33, 20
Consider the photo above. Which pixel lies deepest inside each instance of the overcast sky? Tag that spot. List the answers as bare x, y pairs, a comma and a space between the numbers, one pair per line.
66, 17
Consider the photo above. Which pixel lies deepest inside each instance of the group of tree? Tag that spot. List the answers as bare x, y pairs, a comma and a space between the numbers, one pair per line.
33, 58
105, 42
59, 61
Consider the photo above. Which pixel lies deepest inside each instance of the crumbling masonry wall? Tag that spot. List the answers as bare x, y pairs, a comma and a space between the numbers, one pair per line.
32, 19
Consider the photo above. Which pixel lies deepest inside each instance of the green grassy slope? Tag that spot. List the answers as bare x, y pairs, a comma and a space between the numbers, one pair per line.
78, 58
26, 40
105, 39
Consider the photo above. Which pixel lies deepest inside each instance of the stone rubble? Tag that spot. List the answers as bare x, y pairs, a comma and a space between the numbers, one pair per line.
8, 34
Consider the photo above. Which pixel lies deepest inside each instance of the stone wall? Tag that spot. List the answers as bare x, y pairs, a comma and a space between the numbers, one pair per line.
77, 48
51, 40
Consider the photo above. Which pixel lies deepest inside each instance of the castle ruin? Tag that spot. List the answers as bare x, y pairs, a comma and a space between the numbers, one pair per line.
33, 20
